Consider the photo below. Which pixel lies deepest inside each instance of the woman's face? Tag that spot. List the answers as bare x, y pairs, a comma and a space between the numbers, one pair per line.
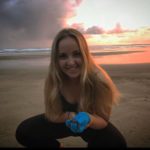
69, 57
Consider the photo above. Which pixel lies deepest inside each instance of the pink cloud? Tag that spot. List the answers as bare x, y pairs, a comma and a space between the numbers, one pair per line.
99, 30
117, 29
78, 2
78, 26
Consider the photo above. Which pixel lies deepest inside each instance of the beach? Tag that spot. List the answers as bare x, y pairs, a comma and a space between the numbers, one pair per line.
21, 96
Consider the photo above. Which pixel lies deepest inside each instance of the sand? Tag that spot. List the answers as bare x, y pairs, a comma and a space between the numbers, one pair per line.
21, 96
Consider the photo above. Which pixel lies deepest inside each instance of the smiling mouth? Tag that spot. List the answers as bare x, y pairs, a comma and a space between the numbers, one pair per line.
72, 70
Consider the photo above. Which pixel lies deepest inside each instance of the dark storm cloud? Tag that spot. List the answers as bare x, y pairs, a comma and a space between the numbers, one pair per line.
23, 21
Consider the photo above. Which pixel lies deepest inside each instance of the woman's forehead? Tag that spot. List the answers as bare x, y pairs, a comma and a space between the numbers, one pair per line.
68, 43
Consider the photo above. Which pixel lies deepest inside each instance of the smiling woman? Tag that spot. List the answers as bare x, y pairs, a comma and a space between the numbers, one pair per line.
79, 96
69, 58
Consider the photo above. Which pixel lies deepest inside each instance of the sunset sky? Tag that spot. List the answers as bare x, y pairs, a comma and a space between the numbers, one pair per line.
26, 23
114, 21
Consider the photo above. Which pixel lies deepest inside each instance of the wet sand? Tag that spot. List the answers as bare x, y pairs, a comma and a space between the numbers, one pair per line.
21, 96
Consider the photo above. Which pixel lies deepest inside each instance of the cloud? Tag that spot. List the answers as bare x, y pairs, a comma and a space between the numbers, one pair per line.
75, 3
26, 21
78, 26
141, 35
117, 29
95, 30
99, 30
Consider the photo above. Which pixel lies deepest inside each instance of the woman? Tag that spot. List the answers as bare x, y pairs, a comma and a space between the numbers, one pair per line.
79, 96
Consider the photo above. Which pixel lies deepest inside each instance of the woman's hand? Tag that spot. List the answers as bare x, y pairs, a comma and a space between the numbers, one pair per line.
79, 122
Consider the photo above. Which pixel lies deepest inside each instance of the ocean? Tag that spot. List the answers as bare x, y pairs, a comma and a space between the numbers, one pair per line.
108, 54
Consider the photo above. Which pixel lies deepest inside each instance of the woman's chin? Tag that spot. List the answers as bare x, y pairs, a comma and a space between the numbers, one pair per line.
73, 76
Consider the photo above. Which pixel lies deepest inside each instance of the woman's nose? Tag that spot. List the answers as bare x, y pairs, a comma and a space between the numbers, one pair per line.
71, 61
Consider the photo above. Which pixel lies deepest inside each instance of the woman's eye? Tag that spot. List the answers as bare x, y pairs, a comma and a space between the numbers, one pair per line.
77, 54
62, 56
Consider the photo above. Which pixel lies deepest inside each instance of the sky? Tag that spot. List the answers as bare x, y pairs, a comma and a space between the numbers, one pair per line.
34, 23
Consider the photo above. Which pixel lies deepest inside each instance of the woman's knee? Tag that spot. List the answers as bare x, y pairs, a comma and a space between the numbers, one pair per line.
117, 137
108, 137
113, 137
21, 132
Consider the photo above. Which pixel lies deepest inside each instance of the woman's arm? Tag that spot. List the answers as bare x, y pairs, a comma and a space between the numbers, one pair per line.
97, 122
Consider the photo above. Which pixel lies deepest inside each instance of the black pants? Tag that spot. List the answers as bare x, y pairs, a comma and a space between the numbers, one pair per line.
37, 131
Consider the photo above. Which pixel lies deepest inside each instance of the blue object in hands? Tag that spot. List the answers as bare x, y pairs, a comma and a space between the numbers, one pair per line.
83, 120
72, 125
79, 123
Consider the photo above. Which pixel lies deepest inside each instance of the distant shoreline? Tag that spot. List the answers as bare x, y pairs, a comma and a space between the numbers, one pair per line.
46, 55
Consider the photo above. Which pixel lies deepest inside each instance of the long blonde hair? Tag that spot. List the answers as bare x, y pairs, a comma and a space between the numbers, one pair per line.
98, 92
